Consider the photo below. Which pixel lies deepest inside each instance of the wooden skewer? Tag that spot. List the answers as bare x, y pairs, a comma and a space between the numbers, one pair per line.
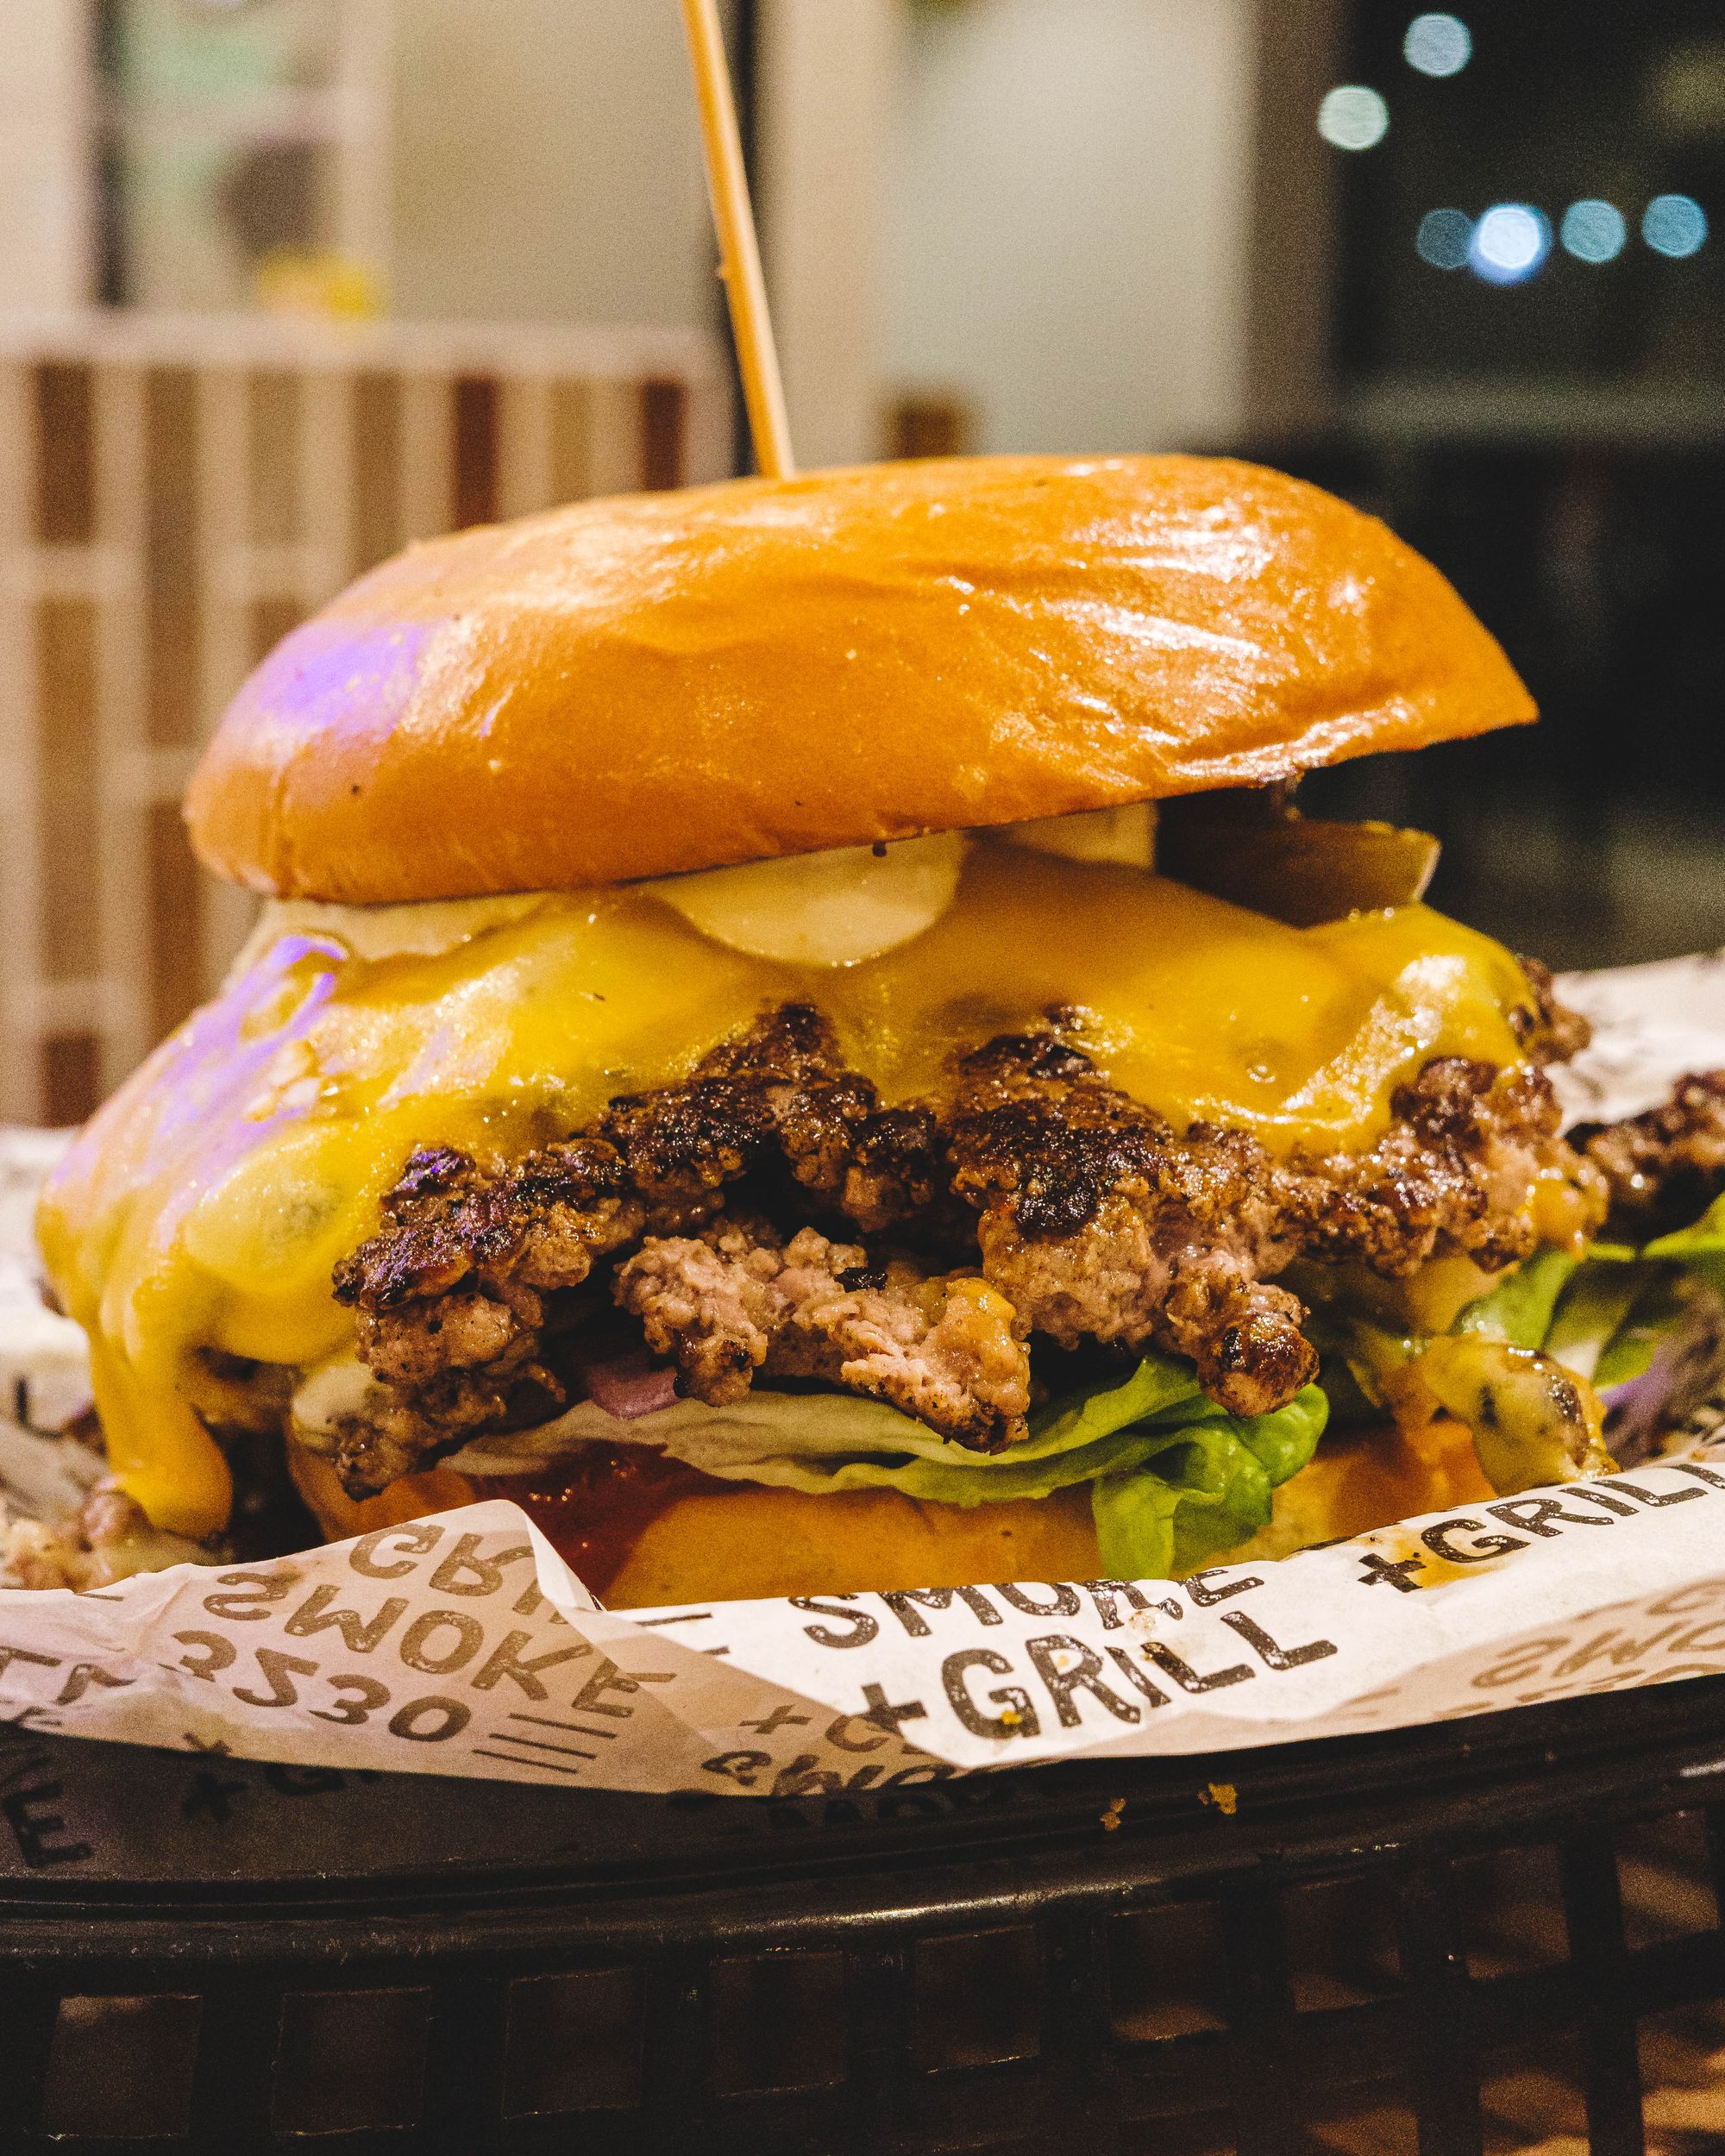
745, 289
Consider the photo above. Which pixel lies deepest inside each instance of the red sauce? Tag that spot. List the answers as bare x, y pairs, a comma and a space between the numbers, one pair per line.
593, 1506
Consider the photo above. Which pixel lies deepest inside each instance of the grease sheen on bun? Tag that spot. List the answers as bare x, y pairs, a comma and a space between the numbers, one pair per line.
663, 682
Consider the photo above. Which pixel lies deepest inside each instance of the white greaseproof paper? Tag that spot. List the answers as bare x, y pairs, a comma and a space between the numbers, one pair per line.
463, 1645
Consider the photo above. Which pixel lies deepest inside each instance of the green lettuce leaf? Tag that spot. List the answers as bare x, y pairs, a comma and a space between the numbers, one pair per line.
1519, 1308
1110, 1430
1674, 1311
1210, 1483
1591, 1315
1623, 1304
1212, 1489
1158, 1384
1704, 1238
1167, 1492
1661, 1310
1699, 1248
810, 1440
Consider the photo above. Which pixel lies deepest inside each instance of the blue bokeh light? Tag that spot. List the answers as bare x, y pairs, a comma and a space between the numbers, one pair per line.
1438, 45
1510, 241
1593, 230
1674, 226
1443, 238
1352, 117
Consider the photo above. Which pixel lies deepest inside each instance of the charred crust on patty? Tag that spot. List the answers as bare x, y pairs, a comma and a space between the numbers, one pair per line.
1665, 1166
1035, 1199
1546, 1030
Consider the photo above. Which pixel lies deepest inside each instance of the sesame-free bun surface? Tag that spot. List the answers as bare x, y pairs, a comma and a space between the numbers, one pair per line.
663, 682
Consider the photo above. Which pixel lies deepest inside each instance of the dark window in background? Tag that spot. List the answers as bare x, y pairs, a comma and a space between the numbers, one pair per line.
1557, 444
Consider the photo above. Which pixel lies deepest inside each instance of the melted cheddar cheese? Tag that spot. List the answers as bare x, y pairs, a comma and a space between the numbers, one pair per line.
206, 1203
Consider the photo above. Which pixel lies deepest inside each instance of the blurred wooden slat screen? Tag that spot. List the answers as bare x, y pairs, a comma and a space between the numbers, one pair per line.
175, 494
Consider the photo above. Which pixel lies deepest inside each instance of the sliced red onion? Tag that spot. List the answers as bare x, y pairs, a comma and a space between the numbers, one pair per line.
628, 1386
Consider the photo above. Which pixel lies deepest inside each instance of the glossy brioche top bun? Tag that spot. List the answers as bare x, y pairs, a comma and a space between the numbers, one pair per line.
674, 681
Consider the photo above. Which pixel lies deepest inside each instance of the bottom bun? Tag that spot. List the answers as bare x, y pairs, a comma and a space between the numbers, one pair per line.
740, 1542
770, 1542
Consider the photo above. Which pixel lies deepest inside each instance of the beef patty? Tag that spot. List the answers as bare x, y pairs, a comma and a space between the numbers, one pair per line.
768, 1217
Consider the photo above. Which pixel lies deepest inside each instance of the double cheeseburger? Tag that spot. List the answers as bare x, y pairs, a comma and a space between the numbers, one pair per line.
796, 1029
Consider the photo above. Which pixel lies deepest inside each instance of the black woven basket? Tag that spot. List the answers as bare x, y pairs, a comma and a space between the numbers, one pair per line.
1439, 1940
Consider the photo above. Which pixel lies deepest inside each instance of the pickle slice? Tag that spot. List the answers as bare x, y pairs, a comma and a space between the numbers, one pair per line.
824, 909
1299, 869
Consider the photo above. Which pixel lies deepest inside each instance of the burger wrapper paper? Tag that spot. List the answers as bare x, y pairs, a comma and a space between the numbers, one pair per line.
463, 1645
